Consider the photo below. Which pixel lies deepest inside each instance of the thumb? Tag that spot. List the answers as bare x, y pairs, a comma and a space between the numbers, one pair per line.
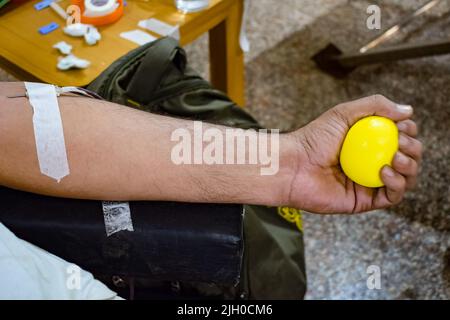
376, 105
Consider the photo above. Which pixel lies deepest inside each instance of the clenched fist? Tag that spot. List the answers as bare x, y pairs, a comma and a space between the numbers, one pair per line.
319, 184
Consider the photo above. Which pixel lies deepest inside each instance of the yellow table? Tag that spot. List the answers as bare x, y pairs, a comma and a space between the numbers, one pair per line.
29, 55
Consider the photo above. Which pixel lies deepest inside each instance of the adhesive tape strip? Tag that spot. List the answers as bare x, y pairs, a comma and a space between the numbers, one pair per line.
117, 217
160, 27
48, 130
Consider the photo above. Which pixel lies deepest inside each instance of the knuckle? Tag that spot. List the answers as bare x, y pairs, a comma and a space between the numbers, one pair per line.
399, 190
413, 126
339, 108
410, 163
412, 182
337, 112
414, 167
382, 102
406, 161
398, 199
419, 148
412, 145
395, 197
415, 148
340, 115
402, 186
379, 99
400, 183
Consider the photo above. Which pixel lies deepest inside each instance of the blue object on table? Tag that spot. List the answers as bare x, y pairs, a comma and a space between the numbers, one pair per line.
48, 28
43, 4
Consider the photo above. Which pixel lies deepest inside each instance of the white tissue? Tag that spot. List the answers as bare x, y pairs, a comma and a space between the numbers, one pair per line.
92, 36
90, 33
71, 61
76, 29
63, 47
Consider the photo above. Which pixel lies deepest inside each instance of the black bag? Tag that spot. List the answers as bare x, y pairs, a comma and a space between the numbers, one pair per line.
172, 243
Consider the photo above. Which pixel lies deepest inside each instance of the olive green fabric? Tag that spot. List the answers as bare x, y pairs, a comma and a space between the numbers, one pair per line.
156, 78
177, 90
274, 265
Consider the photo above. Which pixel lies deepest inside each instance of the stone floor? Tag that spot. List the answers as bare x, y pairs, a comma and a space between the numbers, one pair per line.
411, 242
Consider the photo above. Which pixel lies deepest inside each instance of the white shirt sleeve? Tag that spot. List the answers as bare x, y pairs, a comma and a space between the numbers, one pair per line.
28, 272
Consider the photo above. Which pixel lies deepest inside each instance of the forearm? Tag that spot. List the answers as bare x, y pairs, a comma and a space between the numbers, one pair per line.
118, 153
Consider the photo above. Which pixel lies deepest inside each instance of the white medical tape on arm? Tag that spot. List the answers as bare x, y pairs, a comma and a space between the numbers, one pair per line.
117, 217
48, 130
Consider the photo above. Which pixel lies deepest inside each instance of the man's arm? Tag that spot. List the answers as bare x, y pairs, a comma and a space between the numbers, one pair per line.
118, 153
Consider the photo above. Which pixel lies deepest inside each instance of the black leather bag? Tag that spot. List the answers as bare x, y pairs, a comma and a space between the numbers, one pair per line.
173, 245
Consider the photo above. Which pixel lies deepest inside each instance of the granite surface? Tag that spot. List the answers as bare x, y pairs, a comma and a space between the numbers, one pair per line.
411, 242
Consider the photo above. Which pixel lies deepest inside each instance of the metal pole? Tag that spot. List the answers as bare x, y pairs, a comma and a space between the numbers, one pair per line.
395, 28
401, 52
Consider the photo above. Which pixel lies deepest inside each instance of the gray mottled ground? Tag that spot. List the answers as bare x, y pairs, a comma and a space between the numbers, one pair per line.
411, 242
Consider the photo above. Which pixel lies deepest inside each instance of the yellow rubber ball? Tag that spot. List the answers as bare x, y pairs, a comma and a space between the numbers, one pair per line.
370, 144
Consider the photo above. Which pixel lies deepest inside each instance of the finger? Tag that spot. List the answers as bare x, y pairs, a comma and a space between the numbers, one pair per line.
410, 146
374, 105
408, 127
395, 184
406, 166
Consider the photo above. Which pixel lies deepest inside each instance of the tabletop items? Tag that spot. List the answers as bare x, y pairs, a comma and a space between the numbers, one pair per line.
187, 6
82, 17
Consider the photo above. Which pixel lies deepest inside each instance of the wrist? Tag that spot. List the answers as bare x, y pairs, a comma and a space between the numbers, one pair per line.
293, 160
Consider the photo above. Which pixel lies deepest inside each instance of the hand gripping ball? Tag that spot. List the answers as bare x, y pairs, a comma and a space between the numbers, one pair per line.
370, 144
